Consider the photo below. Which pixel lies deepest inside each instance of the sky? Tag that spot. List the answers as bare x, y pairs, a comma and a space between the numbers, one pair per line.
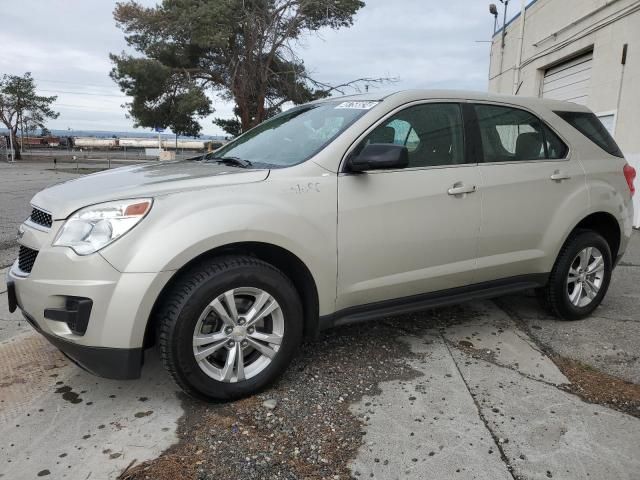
65, 44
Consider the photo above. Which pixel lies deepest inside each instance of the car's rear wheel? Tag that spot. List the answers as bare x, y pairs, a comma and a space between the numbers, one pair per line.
580, 277
229, 327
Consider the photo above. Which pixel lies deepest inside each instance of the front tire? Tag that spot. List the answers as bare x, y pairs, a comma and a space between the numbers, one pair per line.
229, 327
580, 277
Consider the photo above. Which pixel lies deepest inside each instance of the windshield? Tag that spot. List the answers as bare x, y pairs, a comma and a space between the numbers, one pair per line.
295, 135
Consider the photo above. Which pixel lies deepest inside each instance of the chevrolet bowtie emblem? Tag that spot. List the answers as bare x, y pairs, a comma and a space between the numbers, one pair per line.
20, 233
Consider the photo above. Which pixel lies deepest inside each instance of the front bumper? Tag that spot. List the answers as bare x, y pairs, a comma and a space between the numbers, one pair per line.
114, 363
94, 314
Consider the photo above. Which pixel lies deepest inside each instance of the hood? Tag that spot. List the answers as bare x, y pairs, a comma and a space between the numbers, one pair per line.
146, 180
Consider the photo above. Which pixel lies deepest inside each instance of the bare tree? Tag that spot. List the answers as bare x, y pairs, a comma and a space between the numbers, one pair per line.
19, 103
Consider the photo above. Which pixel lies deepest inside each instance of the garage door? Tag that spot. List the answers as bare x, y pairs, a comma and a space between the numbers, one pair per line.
569, 81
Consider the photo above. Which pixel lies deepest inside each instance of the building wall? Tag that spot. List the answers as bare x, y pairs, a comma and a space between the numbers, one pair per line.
557, 30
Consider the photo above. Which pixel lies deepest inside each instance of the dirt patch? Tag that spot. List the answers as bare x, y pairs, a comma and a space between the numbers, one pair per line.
597, 387
27, 363
476, 353
310, 432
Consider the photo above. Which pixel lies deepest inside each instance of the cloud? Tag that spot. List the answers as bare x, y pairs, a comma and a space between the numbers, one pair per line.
424, 43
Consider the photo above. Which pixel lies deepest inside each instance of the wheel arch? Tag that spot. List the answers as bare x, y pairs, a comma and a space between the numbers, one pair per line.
289, 263
604, 224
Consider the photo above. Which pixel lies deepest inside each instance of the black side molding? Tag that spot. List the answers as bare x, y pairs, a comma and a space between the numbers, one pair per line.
424, 301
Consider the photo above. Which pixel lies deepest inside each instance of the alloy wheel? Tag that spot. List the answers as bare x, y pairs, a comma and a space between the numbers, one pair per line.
585, 277
238, 334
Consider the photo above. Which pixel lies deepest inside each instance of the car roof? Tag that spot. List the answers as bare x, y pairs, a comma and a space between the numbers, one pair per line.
406, 96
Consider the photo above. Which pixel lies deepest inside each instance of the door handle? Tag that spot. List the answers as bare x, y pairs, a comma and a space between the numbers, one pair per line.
558, 176
458, 189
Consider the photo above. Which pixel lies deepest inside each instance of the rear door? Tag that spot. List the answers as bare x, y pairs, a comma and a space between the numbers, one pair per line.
414, 230
528, 178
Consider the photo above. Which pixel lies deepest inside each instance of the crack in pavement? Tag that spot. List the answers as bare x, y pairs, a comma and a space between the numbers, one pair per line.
508, 367
520, 322
527, 339
550, 353
484, 420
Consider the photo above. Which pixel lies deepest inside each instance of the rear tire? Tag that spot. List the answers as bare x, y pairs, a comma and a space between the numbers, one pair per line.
580, 277
229, 327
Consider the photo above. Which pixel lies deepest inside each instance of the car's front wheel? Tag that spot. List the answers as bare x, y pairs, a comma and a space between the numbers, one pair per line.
229, 327
580, 277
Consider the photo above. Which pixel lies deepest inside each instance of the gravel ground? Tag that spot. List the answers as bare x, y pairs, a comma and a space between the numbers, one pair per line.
303, 426
595, 386
310, 433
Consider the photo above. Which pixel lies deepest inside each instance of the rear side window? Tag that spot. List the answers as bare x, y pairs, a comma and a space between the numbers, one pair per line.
509, 134
592, 128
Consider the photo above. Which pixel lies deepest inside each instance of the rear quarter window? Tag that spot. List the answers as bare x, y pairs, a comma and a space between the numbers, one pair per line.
591, 127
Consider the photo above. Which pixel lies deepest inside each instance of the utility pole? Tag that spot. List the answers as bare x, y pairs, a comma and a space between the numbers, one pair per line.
493, 10
13, 158
21, 134
518, 66
504, 21
504, 32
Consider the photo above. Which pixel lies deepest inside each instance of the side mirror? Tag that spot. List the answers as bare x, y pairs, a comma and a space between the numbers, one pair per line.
379, 156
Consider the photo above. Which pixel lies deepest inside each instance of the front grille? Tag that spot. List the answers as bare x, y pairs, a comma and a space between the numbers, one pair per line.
41, 218
26, 258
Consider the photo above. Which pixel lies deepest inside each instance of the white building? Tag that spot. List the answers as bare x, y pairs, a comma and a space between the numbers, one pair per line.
583, 51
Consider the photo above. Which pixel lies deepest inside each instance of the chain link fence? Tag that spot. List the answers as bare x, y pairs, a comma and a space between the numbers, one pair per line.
94, 159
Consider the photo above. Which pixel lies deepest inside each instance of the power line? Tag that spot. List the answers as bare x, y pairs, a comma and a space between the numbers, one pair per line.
75, 83
85, 93
85, 107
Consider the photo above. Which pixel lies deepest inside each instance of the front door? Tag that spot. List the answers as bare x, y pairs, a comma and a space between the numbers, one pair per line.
410, 231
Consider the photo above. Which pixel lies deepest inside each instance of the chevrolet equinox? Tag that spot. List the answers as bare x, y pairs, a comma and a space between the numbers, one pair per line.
332, 212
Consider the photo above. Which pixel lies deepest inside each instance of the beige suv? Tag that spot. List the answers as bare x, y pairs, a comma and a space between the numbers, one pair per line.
332, 212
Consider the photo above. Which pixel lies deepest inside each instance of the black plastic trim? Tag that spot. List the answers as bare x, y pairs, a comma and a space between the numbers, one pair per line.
413, 303
617, 260
113, 363
40, 217
75, 314
473, 141
11, 296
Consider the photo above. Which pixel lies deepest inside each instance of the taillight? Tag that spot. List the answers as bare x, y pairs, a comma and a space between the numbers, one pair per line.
630, 175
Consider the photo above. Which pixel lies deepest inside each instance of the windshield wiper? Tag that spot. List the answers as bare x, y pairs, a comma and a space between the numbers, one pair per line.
233, 161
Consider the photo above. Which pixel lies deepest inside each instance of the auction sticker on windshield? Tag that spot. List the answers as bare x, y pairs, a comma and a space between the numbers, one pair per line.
359, 105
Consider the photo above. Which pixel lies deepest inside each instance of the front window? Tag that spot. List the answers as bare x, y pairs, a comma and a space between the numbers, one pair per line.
295, 135
432, 133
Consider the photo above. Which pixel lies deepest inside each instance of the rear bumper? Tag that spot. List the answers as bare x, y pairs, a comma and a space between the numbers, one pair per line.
114, 363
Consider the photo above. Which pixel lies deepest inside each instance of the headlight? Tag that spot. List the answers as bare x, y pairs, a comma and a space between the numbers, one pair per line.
92, 228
